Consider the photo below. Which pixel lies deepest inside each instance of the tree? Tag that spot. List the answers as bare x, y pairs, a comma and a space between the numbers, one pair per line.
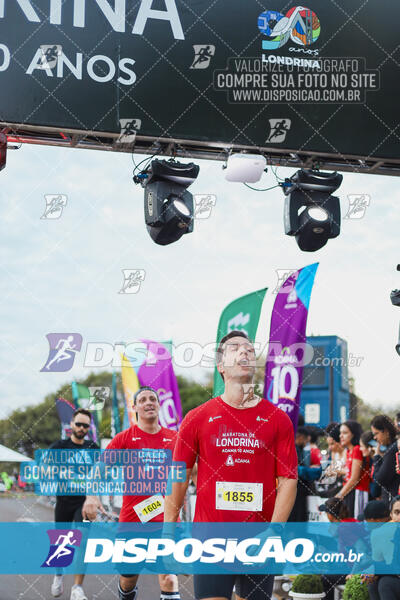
192, 393
33, 427
38, 426
366, 412
27, 429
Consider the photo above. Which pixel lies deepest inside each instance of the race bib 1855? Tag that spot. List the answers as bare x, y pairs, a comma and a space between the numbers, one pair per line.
238, 495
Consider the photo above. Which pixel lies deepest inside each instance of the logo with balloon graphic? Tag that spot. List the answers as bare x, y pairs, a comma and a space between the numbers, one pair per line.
300, 25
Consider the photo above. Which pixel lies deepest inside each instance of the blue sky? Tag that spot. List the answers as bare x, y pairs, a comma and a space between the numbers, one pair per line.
64, 275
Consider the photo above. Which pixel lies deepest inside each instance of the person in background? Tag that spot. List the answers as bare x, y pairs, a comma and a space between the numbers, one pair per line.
368, 440
68, 509
337, 512
336, 450
362, 490
22, 485
398, 458
315, 452
376, 511
397, 422
395, 510
385, 474
8, 482
146, 434
308, 472
15, 479
300, 421
350, 432
385, 548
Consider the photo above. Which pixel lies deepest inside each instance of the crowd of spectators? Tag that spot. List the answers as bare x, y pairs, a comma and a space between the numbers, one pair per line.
358, 477
357, 467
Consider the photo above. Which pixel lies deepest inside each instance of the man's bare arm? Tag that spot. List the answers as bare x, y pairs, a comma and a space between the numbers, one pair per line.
174, 501
285, 497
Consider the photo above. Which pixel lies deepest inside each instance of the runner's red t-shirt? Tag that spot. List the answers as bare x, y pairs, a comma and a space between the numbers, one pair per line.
240, 454
136, 438
354, 454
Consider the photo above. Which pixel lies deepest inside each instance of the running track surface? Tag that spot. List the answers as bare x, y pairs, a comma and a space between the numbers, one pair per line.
37, 587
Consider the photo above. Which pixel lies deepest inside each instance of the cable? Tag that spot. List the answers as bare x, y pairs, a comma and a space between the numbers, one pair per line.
263, 190
275, 173
147, 159
142, 161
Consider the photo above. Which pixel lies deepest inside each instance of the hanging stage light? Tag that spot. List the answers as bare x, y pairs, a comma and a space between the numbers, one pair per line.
311, 214
168, 206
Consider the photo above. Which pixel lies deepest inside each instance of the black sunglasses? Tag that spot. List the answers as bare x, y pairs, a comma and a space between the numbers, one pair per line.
85, 425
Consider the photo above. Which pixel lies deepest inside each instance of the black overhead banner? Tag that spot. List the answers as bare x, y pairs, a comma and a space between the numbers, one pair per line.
321, 80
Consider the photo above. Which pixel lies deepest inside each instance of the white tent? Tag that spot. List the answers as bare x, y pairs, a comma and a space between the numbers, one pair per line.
8, 455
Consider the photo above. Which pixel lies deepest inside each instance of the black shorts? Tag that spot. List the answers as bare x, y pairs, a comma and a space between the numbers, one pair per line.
66, 512
253, 587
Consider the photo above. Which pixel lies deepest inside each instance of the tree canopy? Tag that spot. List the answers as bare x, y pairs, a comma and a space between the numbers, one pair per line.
38, 426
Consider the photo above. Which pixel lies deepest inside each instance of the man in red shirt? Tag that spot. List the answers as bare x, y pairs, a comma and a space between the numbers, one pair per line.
247, 463
147, 434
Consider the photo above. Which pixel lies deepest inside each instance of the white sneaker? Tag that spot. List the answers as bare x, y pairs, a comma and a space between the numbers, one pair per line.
57, 587
77, 593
